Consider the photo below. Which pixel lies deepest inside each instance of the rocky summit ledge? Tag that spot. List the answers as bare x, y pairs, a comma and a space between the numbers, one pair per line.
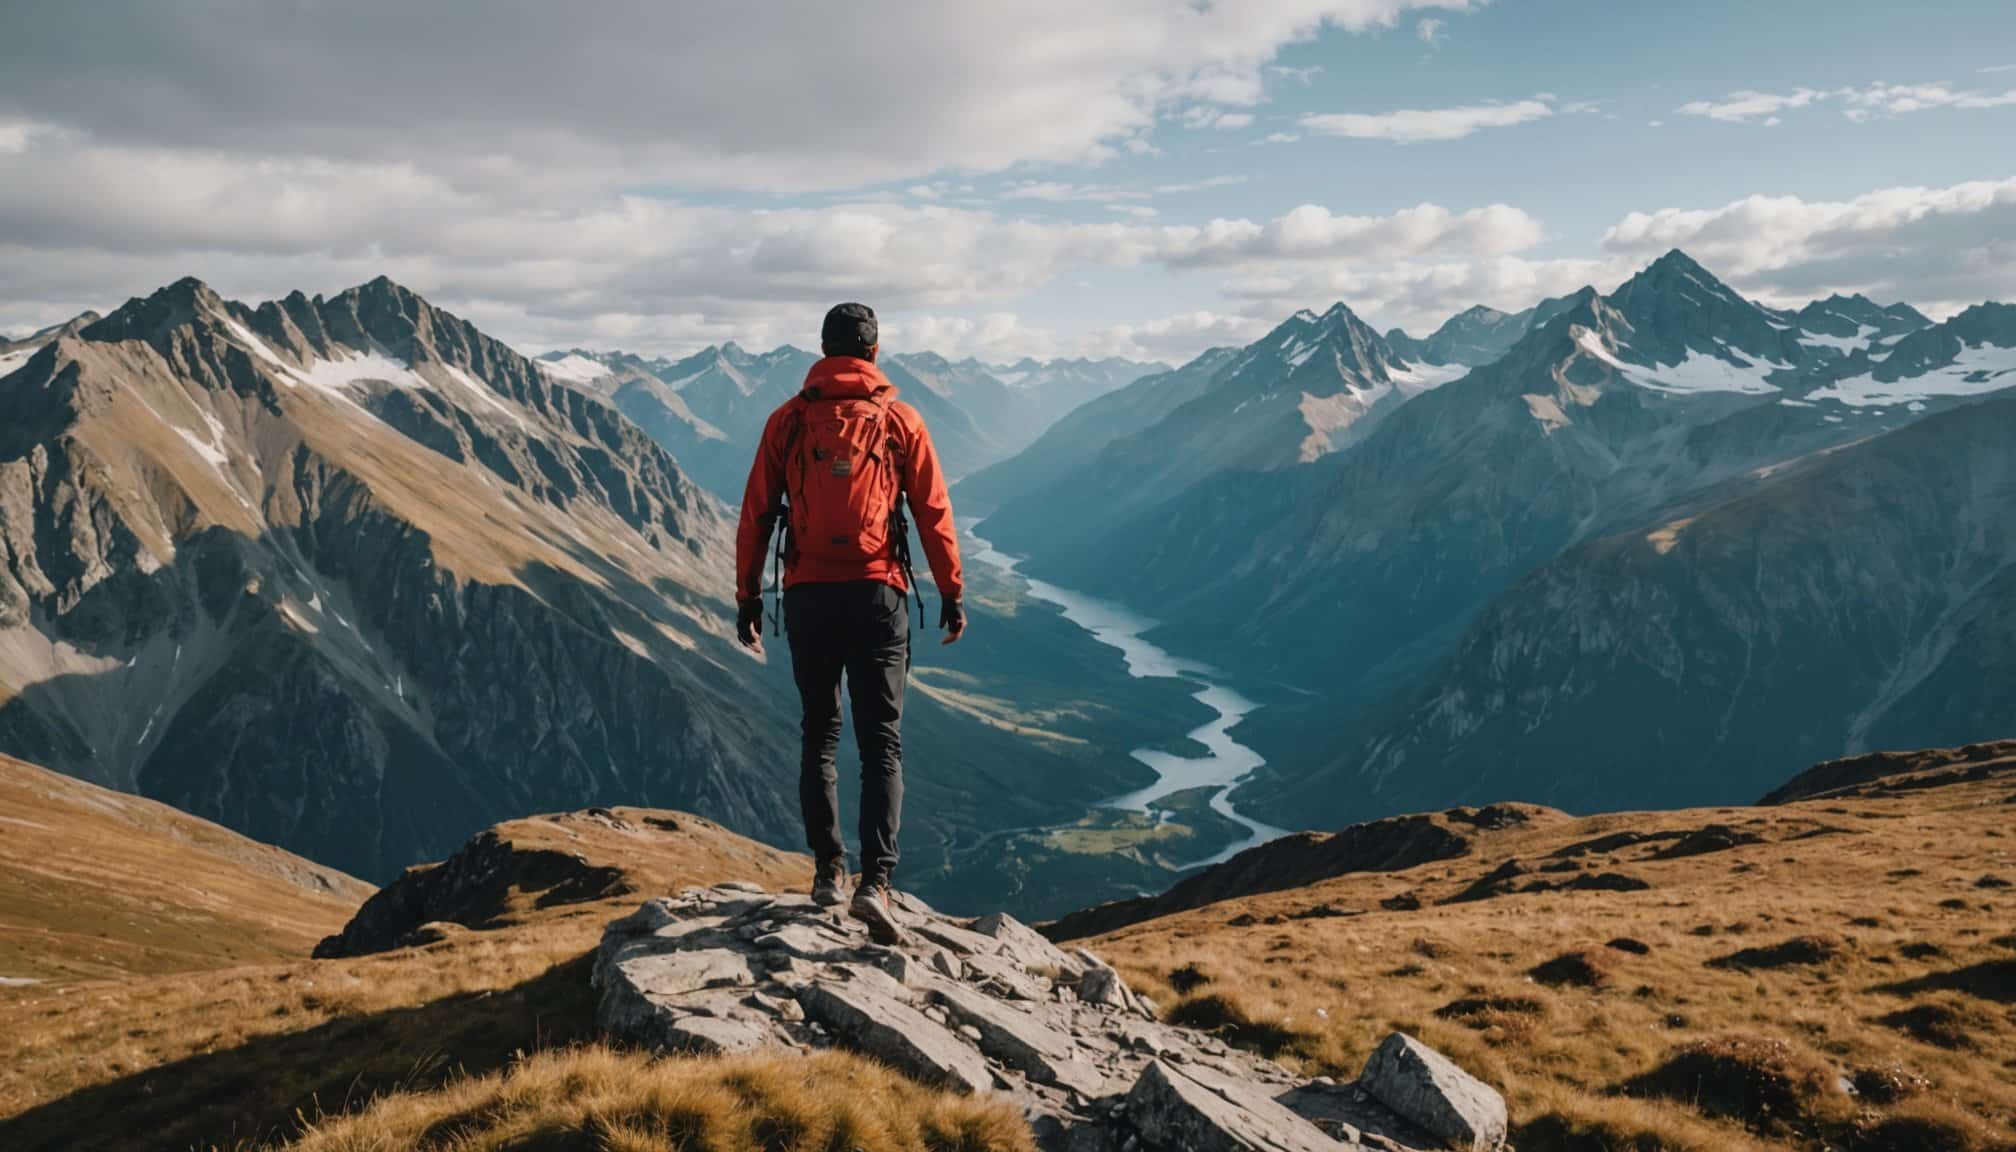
988, 1005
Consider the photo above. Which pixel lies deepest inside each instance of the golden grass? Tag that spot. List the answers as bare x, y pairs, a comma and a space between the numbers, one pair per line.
237, 1056
1850, 912
99, 883
596, 1099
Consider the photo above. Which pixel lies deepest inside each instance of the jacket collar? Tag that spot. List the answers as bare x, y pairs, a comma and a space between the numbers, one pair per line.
848, 378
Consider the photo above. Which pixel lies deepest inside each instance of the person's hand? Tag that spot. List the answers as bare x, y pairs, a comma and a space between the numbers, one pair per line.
749, 624
952, 618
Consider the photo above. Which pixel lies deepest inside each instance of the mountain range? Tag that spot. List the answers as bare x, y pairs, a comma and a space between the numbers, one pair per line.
708, 409
349, 576
1761, 536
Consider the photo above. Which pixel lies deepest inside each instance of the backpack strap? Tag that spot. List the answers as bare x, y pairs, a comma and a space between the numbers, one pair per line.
780, 512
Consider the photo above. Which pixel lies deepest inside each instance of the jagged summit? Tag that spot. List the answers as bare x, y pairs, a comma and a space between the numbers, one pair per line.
380, 485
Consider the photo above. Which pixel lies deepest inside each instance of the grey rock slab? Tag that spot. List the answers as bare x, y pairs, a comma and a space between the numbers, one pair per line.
879, 1025
1428, 1089
719, 1034
960, 941
1007, 976
1105, 987
1198, 1110
808, 941
1337, 1107
1031, 1039
672, 974
1027, 946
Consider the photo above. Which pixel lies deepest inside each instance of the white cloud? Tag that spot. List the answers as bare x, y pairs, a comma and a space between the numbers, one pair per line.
1998, 68
997, 337
1427, 123
1921, 244
759, 96
1431, 30
1748, 105
1900, 99
1858, 103
1283, 137
95, 222
1175, 338
1420, 295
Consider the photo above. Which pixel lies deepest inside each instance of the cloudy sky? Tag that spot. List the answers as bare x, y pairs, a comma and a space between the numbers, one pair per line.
1143, 177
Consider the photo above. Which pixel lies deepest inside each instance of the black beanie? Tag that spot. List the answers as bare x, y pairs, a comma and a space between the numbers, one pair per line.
850, 330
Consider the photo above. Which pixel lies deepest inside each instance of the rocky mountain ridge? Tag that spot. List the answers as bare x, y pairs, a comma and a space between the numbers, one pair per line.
349, 576
1355, 577
707, 409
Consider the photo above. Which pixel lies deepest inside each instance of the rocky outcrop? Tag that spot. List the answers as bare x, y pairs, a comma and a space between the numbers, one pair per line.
988, 1005
1390, 845
470, 889
1837, 776
1429, 1089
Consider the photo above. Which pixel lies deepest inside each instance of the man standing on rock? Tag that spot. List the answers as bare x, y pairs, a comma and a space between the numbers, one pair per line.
837, 465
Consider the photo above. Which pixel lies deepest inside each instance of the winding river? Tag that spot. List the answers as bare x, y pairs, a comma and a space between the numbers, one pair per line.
1226, 761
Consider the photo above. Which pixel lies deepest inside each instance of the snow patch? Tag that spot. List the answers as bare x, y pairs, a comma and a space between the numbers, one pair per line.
254, 344
1328, 416
212, 449
1695, 374
1978, 369
1590, 341
1844, 344
208, 449
336, 377
9, 361
17, 981
1416, 378
482, 392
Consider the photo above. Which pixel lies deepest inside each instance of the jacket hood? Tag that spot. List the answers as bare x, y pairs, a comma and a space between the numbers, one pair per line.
845, 377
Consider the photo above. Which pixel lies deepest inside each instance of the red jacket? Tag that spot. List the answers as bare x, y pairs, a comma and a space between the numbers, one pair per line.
923, 483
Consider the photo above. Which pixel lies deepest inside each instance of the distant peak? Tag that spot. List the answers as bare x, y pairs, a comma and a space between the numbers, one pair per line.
1676, 260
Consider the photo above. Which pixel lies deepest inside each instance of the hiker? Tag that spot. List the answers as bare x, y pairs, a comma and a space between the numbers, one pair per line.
838, 463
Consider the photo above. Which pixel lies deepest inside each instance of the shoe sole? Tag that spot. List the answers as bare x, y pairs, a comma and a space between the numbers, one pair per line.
829, 899
882, 927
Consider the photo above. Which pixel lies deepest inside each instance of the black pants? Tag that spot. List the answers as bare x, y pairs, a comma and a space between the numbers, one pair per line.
859, 628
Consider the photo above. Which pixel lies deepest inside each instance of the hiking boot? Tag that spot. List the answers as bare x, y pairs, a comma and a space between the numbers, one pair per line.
871, 907
829, 883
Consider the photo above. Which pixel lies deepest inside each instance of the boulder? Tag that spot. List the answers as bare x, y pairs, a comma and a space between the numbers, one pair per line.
1428, 1089
871, 1020
1200, 1110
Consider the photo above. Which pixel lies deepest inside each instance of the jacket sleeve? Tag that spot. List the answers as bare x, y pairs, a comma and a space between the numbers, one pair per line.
931, 508
760, 501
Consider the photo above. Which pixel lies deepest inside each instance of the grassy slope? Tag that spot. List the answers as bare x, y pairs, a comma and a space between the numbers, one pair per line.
1908, 938
483, 1039
483, 1030
95, 884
